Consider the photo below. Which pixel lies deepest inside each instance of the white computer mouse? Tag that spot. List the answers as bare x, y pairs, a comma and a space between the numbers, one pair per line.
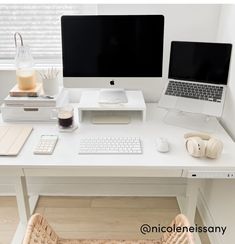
162, 145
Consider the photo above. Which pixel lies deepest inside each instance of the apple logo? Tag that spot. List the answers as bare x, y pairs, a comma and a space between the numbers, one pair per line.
112, 83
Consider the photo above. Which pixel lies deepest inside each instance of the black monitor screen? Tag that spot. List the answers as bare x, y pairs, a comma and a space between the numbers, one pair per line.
112, 46
199, 61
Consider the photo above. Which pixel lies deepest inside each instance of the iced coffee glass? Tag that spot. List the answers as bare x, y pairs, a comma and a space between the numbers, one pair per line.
65, 117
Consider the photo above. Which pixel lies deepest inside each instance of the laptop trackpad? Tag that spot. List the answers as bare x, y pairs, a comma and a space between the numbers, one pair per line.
190, 105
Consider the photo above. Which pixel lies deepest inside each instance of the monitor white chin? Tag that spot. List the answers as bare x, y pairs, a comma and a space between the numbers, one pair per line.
150, 86
112, 96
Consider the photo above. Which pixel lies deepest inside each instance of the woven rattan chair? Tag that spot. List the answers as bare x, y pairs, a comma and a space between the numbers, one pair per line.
40, 232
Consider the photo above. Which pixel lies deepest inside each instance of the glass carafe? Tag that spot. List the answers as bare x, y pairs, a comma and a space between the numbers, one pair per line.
25, 72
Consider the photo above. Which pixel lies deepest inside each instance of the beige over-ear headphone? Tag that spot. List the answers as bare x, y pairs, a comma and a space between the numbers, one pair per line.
197, 147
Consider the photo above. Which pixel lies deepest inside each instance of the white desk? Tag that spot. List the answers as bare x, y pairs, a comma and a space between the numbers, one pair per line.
67, 162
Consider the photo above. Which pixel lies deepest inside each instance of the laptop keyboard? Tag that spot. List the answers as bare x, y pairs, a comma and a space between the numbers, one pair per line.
195, 91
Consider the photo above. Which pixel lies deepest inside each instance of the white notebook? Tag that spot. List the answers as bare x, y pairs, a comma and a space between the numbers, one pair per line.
12, 139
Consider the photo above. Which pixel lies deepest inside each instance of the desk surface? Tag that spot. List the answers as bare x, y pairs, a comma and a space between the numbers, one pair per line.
66, 151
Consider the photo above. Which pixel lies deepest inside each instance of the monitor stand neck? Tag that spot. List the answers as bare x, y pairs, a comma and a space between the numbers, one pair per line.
112, 96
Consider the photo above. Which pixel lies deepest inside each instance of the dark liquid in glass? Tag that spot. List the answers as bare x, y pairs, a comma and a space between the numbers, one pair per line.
65, 119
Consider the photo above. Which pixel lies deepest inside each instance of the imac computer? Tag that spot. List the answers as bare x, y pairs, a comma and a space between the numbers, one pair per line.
113, 51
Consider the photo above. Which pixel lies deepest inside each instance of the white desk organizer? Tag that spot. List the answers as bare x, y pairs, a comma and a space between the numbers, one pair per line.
89, 102
34, 112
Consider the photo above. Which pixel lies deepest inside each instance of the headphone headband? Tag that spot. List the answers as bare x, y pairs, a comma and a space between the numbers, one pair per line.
203, 136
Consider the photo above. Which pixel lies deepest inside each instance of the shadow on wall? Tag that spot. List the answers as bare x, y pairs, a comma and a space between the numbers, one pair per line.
228, 107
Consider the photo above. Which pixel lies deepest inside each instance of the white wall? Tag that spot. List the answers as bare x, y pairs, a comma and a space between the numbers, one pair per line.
226, 33
7, 81
220, 194
220, 200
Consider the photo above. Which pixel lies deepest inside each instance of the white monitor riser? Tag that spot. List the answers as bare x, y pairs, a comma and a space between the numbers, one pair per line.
89, 102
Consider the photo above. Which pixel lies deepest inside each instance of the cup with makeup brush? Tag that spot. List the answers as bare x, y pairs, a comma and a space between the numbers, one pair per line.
50, 81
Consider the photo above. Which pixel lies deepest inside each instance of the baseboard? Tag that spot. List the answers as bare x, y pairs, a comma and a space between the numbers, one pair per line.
207, 218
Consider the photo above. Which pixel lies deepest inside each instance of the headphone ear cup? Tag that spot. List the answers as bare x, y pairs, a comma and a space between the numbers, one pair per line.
214, 148
195, 146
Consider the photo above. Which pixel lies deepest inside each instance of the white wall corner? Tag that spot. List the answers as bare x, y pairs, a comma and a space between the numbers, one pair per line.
226, 33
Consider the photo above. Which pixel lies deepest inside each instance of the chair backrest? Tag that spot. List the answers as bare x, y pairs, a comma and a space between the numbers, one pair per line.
39, 231
183, 237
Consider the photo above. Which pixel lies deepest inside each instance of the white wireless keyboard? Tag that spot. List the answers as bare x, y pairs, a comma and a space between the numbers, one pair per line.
110, 145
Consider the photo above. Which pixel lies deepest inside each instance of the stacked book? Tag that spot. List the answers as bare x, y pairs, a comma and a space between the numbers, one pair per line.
35, 92
32, 105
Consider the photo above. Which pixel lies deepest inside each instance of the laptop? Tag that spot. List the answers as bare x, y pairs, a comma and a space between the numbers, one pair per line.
197, 78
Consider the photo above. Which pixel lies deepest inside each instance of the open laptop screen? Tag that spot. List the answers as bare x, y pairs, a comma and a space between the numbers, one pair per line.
200, 62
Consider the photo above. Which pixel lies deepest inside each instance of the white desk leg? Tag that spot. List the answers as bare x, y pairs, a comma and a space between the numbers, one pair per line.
19, 234
188, 204
191, 198
22, 199
25, 206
